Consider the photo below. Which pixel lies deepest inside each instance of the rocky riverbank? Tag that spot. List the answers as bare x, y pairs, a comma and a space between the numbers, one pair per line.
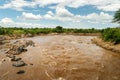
11, 50
106, 45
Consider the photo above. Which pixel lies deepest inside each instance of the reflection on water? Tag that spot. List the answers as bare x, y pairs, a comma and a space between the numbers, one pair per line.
64, 58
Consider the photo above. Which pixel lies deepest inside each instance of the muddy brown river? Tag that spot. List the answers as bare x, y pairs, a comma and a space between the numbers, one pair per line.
63, 57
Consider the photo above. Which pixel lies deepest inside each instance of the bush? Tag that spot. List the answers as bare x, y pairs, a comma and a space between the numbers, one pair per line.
111, 34
37, 31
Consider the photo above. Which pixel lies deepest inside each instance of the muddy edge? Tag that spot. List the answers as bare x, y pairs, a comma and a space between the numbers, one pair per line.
106, 45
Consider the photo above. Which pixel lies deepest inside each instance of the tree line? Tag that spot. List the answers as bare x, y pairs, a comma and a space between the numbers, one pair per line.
37, 31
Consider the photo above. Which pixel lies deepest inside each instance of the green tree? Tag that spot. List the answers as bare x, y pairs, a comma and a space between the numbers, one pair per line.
59, 29
117, 17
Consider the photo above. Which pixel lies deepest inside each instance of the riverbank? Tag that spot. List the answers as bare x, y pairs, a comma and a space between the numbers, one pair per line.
106, 45
6, 38
15, 36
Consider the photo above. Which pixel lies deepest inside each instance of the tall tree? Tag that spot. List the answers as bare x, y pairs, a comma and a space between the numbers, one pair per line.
117, 17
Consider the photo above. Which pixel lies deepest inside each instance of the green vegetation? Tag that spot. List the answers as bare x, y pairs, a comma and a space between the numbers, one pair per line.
37, 31
117, 16
112, 35
109, 34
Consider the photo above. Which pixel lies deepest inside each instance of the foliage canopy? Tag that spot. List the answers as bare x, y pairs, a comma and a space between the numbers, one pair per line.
117, 17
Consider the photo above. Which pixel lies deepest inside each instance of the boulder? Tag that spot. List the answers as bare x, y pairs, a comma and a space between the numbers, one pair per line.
19, 46
2, 38
20, 49
31, 64
15, 59
16, 49
29, 35
30, 43
20, 72
10, 56
19, 63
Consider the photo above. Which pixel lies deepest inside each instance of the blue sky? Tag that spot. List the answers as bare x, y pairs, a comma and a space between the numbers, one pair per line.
51, 13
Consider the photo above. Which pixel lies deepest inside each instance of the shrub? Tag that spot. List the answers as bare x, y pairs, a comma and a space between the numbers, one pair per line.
111, 34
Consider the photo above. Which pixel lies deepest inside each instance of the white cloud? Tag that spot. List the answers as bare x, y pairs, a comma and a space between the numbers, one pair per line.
99, 18
47, 16
30, 16
50, 13
15, 4
105, 5
47, 2
110, 7
18, 4
62, 12
26, 25
65, 15
77, 3
6, 20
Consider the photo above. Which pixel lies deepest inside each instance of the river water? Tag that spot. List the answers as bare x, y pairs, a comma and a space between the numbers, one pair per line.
64, 57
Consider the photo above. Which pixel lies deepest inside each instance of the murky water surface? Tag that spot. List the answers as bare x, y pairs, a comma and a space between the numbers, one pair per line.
63, 58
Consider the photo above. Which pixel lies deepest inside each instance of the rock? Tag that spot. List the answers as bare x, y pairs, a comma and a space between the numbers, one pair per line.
19, 63
2, 38
10, 56
19, 46
29, 35
20, 49
3, 60
30, 43
21, 72
15, 59
16, 49
31, 64
16, 42
22, 35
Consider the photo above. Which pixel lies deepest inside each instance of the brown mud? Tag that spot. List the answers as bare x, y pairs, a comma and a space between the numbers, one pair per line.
65, 57
107, 45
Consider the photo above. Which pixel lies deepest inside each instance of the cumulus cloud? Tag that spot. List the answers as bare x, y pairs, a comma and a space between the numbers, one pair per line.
47, 2
110, 7
8, 22
105, 5
15, 4
62, 14
98, 18
30, 16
